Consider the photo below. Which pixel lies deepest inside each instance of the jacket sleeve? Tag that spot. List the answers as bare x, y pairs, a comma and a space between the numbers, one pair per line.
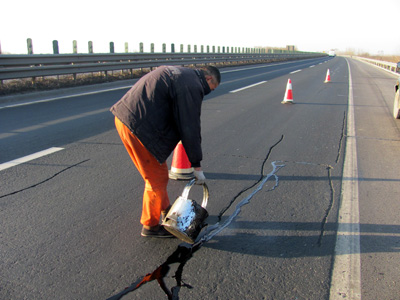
187, 111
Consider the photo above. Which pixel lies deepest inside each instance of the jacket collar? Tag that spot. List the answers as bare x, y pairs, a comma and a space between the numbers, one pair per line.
203, 81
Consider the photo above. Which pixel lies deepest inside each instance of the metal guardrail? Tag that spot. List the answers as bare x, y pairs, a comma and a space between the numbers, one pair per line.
393, 67
39, 65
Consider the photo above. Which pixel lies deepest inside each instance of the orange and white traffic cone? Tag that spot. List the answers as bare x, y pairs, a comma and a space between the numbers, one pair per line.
289, 93
181, 169
328, 77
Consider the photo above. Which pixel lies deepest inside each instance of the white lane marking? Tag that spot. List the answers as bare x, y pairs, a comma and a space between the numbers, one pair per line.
247, 87
51, 123
346, 274
258, 67
64, 97
295, 71
312, 66
27, 158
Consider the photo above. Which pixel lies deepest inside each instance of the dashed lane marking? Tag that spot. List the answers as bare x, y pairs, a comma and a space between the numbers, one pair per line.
295, 71
247, 87
27, 158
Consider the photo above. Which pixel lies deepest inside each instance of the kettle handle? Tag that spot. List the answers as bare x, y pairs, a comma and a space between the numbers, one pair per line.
187, 188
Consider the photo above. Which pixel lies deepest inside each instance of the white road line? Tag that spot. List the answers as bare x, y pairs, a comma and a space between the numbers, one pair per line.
27, 158
258, 67
346, 274
295, 71
63, 97
312, 66
247, 87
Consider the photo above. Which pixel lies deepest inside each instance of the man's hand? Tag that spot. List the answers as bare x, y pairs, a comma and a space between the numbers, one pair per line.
200, 178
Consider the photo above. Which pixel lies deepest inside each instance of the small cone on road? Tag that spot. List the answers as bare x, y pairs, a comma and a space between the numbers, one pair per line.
181, 169
328, 77
288, 98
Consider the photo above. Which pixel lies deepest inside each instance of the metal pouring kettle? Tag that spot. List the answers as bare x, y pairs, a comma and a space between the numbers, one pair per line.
185, 219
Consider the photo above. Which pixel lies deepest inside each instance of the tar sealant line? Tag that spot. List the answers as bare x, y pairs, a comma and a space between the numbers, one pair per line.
346, 274
329, 169
43, 181
214, 230
185, 251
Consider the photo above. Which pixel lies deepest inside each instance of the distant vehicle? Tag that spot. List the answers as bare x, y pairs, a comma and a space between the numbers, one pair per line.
396, 105
332, 53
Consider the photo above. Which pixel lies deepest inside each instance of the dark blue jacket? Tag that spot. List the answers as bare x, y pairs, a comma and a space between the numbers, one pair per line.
163, 108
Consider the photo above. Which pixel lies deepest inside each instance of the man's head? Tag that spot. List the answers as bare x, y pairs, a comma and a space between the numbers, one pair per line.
213, 76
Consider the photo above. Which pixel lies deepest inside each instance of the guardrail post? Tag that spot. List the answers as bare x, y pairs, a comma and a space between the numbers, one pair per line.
188, 49
111, 47
213, 49
195, 48
181, 48
152, 48
219, 49
126, 47
30, 46
164, 48
55, 47
141, 47
208, 48
202, 48
90, 47
172, 48
74, 46
30, 51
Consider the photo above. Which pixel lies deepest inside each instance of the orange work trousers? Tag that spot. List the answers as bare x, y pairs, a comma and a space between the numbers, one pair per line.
155, 175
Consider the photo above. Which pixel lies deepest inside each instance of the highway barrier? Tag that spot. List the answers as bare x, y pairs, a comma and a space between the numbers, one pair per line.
393, 67
16, 66
40, 65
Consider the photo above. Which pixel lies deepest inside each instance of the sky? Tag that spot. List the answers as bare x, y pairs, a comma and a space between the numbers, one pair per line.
310, 25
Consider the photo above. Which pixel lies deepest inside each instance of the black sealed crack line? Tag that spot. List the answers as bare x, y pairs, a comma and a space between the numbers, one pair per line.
185, 251
248, 188
39, 183
329, 209
331, 201
343, 134
181, 255
212, 231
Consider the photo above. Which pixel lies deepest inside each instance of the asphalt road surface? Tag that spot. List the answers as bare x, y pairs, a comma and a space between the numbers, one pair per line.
303, 198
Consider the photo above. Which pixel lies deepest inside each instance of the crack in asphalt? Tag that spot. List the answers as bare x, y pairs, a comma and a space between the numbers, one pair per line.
253, 185
44, 181
329, 209
342, 135
324, 221
185, 251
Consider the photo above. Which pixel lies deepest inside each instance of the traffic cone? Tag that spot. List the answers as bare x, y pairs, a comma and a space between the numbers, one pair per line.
289, 93
328, 77
181, 169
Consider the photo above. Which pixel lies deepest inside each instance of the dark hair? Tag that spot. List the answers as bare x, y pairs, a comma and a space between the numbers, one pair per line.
212, 71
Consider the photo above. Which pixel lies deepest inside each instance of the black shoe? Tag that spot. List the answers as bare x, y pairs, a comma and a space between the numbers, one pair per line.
158, 233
